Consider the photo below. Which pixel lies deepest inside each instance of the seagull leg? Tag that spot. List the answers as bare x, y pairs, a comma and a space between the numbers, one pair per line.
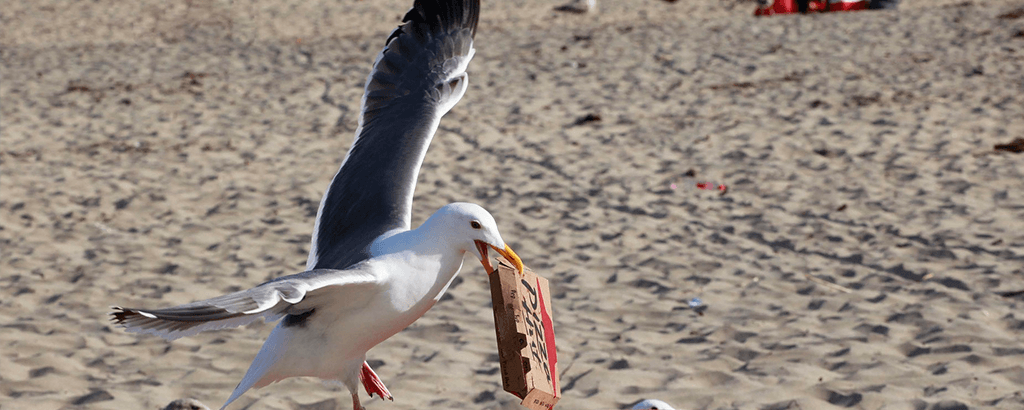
372, 383
355, 402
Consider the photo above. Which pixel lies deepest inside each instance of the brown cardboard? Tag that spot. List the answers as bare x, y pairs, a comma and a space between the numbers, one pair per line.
525, 330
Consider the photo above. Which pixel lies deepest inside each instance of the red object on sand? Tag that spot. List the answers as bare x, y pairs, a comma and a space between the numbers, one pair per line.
847, 5
771, 7
711, 186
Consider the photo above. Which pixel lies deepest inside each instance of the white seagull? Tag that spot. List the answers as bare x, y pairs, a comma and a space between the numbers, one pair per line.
331, 318
652, 404
368, 275
578, 6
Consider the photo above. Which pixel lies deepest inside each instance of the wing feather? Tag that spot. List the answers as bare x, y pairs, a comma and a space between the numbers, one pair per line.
416, 79
269, 301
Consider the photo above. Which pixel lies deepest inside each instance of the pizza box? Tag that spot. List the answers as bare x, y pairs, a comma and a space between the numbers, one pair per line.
526, 335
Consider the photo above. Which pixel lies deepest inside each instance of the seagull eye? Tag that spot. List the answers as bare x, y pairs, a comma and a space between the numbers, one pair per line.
474, 224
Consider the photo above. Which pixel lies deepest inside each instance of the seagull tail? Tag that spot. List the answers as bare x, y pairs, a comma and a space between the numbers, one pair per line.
259, 373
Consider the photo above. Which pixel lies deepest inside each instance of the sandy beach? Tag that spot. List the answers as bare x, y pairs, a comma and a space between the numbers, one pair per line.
868, 253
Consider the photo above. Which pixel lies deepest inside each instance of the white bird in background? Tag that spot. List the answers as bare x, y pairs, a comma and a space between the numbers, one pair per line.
652, 404
368, 275
186, 404
578, 6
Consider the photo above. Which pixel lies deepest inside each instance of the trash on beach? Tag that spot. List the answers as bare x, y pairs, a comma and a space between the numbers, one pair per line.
1016, 146
526, 336
698, 306
702, 185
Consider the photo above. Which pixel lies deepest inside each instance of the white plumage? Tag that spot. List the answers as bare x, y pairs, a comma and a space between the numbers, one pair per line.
652, 404
368, 275
338, 315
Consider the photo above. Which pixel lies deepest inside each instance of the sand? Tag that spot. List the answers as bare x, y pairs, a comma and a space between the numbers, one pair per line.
868, 254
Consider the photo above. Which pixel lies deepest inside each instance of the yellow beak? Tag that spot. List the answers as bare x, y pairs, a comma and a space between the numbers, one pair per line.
508, 253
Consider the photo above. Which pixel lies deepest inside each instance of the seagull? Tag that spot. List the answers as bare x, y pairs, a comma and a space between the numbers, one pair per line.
362, 231
652, 404
186, 404
330, 318
578, 6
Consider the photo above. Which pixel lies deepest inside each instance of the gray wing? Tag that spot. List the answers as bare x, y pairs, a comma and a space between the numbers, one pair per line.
270, 301
417, 78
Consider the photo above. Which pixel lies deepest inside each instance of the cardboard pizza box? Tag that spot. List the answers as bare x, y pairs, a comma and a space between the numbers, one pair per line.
526, 336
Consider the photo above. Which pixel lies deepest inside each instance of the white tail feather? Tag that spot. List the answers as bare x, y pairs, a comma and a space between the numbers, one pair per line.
270, 354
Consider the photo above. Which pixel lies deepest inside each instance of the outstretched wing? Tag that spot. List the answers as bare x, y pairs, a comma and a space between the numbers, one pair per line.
294, 294
417, 78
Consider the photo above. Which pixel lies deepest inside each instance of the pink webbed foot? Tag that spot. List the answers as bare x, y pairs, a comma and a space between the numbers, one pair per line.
372, 383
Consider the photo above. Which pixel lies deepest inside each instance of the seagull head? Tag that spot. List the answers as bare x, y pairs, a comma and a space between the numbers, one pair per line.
651, 404
477, 231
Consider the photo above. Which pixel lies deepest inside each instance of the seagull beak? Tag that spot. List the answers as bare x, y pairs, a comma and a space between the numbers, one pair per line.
512, 257
508, 253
